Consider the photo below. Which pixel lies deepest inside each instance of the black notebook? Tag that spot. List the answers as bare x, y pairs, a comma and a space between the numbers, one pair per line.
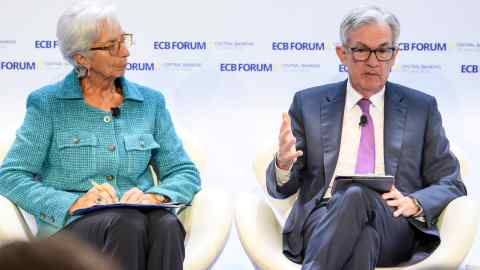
83, 211
379, 183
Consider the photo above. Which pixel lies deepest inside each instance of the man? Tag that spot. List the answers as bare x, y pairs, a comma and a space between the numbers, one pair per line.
363, 125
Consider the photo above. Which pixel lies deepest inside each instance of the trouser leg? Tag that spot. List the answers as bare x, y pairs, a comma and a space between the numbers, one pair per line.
365, 252
118, 233
331, 233
166, 241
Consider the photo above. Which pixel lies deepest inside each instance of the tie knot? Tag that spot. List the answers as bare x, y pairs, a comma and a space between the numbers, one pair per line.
364, 105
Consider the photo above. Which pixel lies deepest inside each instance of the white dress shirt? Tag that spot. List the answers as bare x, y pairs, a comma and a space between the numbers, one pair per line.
350, 138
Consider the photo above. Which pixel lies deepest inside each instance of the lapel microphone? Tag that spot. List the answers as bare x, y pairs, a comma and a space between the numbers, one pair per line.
115, 112
363, 120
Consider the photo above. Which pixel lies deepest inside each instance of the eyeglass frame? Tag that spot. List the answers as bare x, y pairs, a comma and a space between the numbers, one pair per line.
118, 43
353, 50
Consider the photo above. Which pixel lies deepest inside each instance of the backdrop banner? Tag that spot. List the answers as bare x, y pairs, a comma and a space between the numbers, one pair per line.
230, 68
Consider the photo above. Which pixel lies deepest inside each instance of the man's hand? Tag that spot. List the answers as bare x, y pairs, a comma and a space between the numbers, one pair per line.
403, 205
287, 152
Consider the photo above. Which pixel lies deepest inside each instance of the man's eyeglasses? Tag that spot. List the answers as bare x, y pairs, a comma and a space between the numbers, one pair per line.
363, 54
114, 48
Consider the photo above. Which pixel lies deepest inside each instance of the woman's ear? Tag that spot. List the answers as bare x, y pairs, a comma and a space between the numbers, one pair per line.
82, 60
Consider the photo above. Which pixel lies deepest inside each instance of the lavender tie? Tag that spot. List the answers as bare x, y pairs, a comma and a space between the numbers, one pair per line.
366, 148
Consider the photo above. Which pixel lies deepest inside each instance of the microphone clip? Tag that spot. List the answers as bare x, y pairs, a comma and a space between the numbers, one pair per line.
363, 120
115, 112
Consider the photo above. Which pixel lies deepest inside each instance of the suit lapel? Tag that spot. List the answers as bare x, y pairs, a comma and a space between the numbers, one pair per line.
394, 127
331, 118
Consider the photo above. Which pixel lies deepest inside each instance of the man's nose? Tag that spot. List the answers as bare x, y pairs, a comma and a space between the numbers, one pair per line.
372, 60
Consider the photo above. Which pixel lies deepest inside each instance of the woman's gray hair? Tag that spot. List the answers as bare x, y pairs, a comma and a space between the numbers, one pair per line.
368, 15
79, 26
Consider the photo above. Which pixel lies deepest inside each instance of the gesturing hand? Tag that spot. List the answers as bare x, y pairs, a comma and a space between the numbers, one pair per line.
403, 205
287, 152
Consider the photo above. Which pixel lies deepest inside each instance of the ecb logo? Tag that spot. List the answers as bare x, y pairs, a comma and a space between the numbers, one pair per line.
17, 65
180, 45
423, 46
232, 67
469, 69
140, 66
46, 44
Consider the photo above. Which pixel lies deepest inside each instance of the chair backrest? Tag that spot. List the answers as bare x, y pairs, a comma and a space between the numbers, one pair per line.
191, 146
3, 152
282, 208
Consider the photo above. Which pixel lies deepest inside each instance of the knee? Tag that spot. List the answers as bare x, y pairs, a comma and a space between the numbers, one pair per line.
129, 221
354, 194
166, 222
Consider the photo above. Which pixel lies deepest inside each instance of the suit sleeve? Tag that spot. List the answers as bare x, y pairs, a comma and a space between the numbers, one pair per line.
440, 170
24, 162
293, 184
178, 177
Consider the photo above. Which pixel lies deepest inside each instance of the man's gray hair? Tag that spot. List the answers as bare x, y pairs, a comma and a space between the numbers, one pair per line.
368, 15
79, 26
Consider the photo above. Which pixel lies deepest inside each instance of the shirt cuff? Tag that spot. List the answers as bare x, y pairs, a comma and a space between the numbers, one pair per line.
282, 175
419, 215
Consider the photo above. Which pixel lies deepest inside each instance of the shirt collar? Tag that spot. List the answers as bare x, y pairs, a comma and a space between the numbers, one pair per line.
71, 89
353, 96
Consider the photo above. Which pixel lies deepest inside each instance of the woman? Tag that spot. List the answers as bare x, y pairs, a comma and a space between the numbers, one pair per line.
97, 127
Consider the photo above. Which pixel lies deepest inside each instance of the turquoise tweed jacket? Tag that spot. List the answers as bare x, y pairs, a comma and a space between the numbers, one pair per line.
64, 143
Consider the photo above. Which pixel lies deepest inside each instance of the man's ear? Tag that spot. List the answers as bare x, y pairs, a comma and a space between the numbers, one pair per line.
395, 54
82, 60
341, 53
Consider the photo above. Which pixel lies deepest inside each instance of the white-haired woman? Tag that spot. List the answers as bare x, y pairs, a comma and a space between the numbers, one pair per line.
95, 126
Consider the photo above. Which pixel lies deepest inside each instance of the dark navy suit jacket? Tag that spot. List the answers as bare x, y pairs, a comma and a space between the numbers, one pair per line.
416, 152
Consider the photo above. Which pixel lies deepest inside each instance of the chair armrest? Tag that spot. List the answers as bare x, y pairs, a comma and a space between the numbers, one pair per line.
260, 233
12, 225
207, 222
457, 225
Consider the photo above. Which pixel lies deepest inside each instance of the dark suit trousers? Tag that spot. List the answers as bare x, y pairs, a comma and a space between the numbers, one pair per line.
135, 240
356, 230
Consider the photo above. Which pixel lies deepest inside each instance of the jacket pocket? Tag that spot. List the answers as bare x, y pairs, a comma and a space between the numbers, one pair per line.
77, 151
139, 151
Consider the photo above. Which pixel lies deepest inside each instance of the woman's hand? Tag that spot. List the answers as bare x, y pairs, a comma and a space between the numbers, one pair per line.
101, 194
135, 195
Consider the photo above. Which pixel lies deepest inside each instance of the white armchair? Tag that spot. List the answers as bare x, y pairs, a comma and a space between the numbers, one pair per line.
208, 220
259, 220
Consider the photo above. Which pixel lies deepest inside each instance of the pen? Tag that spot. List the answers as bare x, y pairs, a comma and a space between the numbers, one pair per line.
98, 186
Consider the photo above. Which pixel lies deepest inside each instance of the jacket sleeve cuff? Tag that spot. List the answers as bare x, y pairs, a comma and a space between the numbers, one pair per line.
57, 214
282, 176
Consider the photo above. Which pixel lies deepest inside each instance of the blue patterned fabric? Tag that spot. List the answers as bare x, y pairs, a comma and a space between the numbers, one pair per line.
64, 143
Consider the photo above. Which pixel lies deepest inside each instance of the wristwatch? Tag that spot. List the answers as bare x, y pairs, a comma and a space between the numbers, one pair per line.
420, 211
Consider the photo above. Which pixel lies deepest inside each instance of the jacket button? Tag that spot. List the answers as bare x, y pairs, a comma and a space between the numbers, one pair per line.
76, 140
111, 147
109, 177
107, 119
